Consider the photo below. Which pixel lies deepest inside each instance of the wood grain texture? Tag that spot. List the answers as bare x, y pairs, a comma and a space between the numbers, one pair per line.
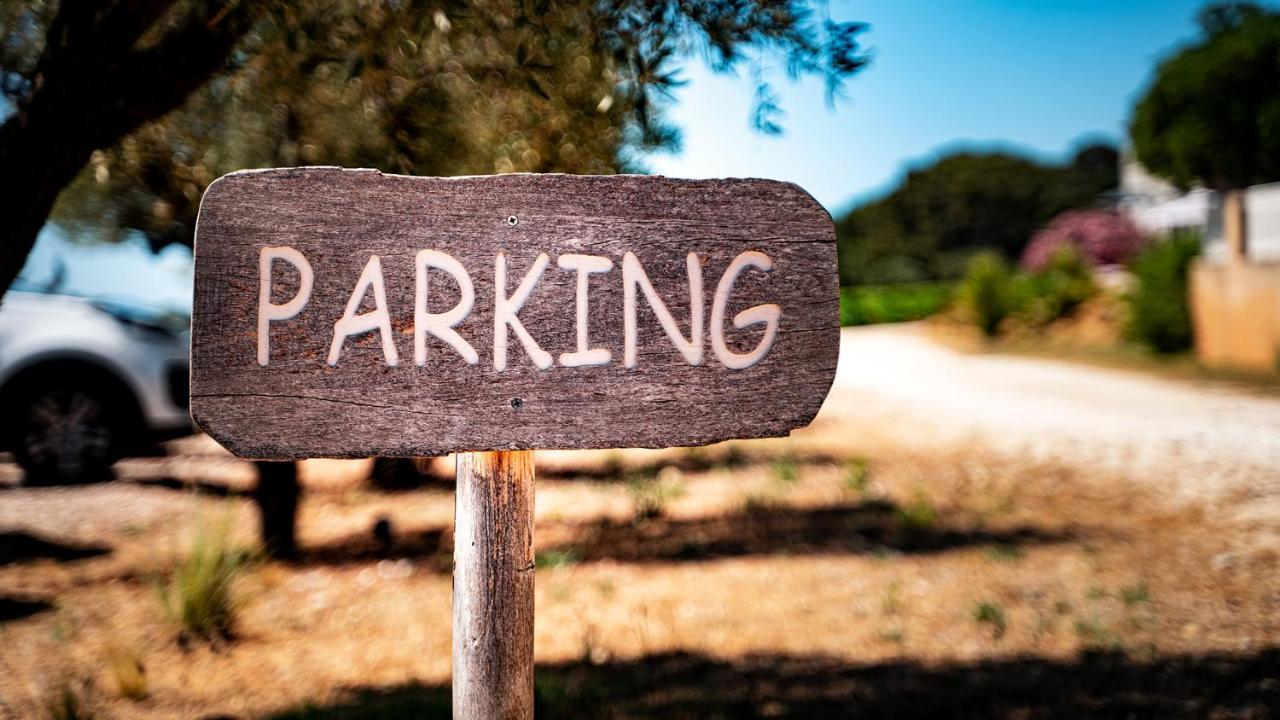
493, 572
299, 406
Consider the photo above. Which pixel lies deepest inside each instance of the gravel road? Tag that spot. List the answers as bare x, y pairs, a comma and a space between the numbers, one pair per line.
1203, 441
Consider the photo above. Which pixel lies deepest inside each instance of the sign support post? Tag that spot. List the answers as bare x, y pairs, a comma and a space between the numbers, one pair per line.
493, 571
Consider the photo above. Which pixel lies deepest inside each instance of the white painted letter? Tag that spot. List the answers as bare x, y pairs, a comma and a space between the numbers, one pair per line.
377, 319
442, 324
767, 314
267, 310
585, 265
632, 275
505, 310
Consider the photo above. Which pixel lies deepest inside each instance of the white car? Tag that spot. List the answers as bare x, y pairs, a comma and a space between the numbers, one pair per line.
84, 382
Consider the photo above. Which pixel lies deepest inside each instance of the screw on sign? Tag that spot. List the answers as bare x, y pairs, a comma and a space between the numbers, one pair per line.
347, 313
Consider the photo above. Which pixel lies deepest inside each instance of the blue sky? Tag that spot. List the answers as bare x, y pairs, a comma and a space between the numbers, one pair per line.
1035, 75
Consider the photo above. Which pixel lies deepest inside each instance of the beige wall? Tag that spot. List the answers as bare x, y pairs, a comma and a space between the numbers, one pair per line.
1236, 312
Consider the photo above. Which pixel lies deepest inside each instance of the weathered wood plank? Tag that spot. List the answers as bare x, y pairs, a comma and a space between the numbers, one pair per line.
493, 572
299, 405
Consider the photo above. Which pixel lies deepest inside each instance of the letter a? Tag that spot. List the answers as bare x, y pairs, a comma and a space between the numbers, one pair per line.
441, 324
377, 319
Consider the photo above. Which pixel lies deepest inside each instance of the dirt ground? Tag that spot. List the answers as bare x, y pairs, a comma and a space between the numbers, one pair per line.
853, 570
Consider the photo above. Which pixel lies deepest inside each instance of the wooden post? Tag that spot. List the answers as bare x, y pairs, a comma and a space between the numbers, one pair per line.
493, 586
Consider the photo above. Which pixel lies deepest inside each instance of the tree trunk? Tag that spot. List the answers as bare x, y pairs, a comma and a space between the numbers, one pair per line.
277, 497
37, 159
92, 86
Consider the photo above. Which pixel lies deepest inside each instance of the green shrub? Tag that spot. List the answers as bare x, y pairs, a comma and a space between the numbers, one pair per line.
987, 292
1061, 286
199, 596
874, 304
1160, 315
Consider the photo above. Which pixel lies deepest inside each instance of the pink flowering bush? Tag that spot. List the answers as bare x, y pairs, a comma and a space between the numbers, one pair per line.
1102, 237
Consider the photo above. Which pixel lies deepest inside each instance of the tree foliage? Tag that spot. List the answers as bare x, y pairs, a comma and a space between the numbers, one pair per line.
1159, 307
1212, 114
162, 96
942, 214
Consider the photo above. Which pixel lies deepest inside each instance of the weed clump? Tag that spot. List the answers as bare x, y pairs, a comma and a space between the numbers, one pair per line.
991, 615
785, 470
129, 674
919, 514
199, 595
650, 492
556, 557
857, 476
1139, 594
69, 704
1003, 552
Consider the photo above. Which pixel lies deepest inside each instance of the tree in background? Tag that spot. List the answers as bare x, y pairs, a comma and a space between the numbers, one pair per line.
405, 86
1212, 114
942, 214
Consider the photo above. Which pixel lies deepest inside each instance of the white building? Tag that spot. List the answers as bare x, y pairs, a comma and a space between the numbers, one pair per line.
1159, 208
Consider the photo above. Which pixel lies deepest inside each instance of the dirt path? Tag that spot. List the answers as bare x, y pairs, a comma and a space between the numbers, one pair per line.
1199, 441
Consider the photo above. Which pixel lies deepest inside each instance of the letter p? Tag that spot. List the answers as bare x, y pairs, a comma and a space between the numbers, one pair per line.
269, 311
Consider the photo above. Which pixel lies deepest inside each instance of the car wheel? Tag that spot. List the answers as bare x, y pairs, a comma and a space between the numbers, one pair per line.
66, 433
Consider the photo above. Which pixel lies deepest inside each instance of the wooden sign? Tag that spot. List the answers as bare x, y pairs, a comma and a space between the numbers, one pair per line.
347, 313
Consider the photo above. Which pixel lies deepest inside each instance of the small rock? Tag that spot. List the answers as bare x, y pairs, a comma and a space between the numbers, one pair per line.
1223, 561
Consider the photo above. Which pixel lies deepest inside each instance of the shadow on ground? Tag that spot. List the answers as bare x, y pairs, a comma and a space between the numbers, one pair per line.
16, 608
693, 460
199, 487
17, 547
433, 547
866, 527
692, 686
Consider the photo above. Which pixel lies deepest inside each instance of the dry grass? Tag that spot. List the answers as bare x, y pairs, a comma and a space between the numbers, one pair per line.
199, 598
